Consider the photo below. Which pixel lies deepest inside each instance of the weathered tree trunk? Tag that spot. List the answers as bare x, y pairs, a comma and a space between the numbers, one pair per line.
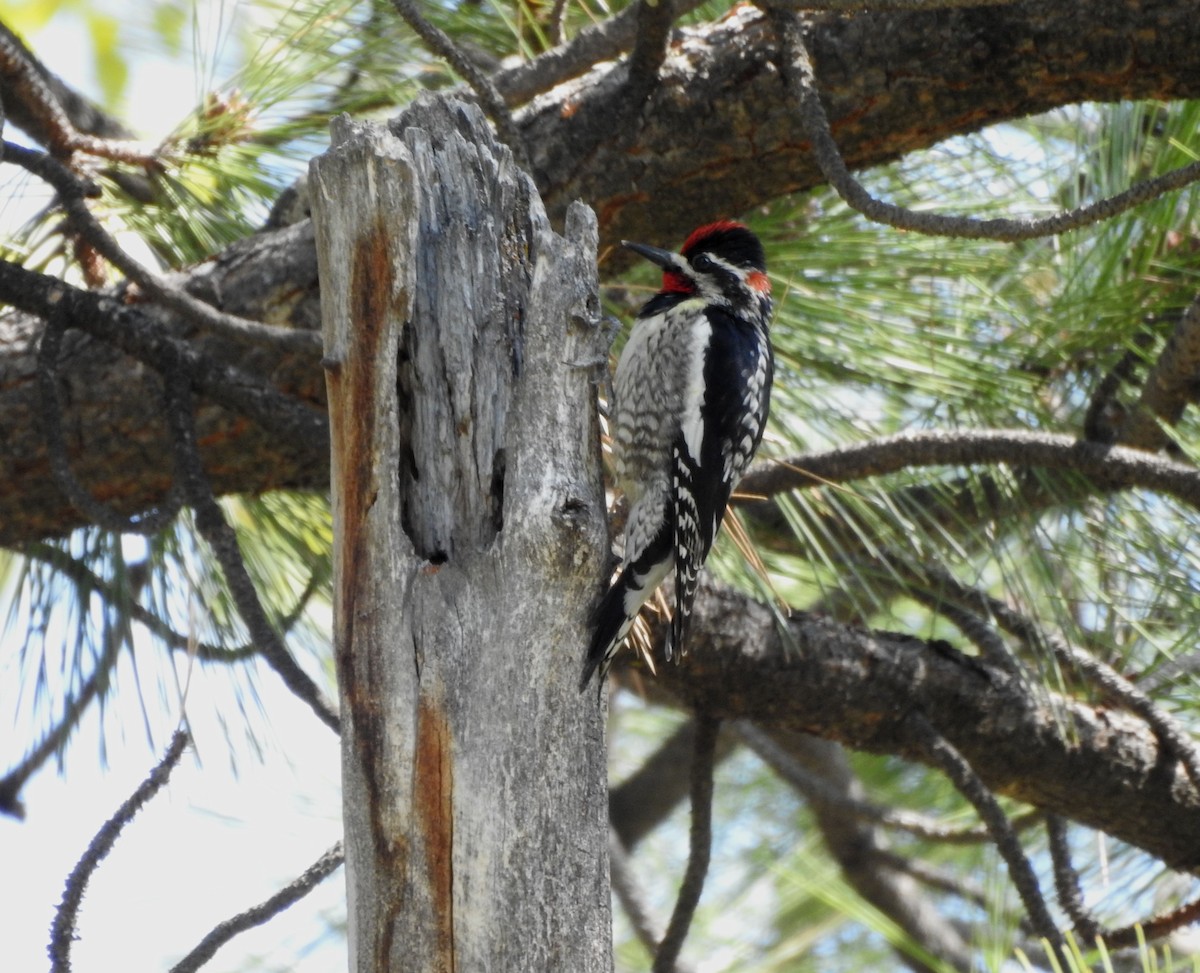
460, 337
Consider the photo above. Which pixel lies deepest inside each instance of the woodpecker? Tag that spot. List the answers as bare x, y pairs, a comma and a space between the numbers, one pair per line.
692, 389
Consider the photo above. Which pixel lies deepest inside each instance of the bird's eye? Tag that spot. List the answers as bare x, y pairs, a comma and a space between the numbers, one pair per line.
703, 262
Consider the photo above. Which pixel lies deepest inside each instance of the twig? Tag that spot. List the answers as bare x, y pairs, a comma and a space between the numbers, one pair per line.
215, 529
554, 24
797, 70
440, 43
649, 51
72, 191
62, 932
605, 41
1170, 385
1020, 871
150, 522
1101, 422
56, 736
1066, 880
934, 877
700, 844
87, 580
818, 790
1114, 466
1154, 928
890, 6
33, 105
991, 646
1173, 734
312, 876
629, 896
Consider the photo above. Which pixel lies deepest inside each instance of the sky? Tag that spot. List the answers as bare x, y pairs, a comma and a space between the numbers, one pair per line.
238, 819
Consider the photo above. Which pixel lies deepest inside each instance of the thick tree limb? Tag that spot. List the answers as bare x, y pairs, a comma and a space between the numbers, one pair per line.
115, 435
1100, 767
891, 83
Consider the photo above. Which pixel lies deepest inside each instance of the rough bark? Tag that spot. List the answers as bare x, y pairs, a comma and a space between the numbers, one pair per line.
470, 536
718, 134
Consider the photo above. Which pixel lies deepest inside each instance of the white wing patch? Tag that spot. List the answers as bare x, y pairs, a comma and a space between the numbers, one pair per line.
692, 427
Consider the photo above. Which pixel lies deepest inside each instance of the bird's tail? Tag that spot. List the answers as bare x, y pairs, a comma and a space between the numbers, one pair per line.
610, 624
615, 614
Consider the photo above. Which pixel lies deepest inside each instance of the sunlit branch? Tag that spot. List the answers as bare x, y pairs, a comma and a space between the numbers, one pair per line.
62, 932
287, 896
1112, 467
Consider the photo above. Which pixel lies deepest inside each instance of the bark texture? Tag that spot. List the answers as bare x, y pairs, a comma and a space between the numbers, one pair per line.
471, 532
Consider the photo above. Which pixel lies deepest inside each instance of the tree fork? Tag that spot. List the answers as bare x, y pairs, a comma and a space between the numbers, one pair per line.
458, 335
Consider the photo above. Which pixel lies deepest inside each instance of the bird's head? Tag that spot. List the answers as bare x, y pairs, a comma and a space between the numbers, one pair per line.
720, 263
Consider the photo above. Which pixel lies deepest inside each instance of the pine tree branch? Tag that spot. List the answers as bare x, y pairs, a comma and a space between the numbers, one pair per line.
222, 540
441, 44
1110, 467
99, 513
699, 842
1099, 766
798, 73
56, 116
943, 754
1170, 386
73, 193
62, 934
130, 330
286, 897
819, 790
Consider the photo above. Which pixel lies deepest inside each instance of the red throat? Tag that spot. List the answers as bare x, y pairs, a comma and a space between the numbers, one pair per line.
674, 282
760, 282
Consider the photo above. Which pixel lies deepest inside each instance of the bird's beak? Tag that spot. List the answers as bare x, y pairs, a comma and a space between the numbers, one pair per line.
664, 258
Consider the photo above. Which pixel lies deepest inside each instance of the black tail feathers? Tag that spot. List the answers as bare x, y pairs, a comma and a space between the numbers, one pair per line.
609, 625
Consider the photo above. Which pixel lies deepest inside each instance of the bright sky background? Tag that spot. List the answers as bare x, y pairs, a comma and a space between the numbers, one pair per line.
232, 826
